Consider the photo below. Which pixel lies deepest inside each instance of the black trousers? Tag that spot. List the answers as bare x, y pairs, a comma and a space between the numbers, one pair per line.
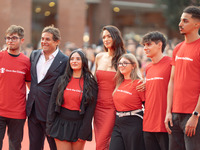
37, 133
15, 132
127, 134
156, 140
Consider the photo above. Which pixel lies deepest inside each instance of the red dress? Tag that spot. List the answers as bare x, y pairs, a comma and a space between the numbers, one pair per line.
104, 117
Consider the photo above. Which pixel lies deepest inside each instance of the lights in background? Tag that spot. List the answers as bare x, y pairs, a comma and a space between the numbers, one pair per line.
47, 13
38, 10
116, 9
86, 37
52, 4
42, 10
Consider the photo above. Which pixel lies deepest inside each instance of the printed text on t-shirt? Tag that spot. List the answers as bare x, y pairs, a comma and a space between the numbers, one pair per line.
74, 90
183, 58
124, 92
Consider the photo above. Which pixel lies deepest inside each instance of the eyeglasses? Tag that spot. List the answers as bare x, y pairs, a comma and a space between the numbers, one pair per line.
124, 64
13, 38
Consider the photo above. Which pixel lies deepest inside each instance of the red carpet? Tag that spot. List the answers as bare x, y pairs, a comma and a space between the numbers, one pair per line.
25, 142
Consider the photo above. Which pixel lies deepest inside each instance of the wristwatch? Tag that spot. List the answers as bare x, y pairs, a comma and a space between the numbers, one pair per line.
195, 113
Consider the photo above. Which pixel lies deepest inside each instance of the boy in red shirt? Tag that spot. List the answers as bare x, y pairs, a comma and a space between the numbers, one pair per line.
14, 73
157, 78
183, 106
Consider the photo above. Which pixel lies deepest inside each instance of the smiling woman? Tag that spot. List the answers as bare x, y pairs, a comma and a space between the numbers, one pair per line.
76, 65
106, 66
128, 103
72, 105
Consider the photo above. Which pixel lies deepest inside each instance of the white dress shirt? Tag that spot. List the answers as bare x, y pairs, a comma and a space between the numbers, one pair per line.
43, 65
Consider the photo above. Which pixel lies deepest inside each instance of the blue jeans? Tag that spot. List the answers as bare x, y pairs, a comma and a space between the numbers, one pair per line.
178, 140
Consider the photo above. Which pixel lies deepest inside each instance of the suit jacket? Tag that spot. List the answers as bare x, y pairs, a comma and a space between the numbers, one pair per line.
40, 93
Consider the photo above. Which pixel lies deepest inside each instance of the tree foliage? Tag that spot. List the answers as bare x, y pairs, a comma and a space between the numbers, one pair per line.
174, 9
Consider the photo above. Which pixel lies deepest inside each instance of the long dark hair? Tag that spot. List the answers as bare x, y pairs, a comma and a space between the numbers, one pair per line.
89, 81
118, 44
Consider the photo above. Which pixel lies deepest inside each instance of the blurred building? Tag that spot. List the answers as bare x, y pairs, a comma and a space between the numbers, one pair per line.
80, 21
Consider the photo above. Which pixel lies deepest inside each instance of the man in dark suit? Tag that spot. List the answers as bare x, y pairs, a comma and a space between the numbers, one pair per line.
47, 65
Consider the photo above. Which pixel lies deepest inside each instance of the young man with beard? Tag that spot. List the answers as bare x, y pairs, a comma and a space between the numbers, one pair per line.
183, 108
14, 74
157, 78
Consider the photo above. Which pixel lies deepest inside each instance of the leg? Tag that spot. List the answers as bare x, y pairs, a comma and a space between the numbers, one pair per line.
15, 133
52, 143
79, 145
176, 139
151, 142
63, 145
116, 142
163, 140
2, 130
132, 133
50, 140
36, 134
104, 120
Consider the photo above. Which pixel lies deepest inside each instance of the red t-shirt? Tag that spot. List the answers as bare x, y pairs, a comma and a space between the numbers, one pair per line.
186, 59
73, 94
157, 78
14, 71
127, 98
106, 86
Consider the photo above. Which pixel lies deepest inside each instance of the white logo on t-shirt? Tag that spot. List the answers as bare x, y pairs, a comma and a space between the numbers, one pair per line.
2, 70
74, 90
183, 58
155, 78
124, 92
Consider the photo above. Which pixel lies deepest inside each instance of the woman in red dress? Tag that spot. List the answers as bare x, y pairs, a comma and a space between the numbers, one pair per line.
106, 66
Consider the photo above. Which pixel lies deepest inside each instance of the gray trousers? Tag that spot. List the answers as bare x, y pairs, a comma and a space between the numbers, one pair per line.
178, 140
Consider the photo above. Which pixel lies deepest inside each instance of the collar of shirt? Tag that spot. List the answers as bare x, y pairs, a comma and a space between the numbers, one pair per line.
44, 65
53, 55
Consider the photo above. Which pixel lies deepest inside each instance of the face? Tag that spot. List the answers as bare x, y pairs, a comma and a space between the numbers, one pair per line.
152, 49
47, 43
13, 42
125, 66
107, 39
76, 62
187, 24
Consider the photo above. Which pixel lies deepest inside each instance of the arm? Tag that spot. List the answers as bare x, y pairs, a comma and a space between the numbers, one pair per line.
168, 118
85, 132
51, 114
28, 84
190, 127
96, 65
141, 87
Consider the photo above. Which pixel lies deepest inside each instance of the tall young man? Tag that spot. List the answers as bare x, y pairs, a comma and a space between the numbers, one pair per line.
47, 65
14, 73
157, 78
183, 107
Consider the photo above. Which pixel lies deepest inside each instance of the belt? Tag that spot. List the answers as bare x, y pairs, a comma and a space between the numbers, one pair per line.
130, 113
